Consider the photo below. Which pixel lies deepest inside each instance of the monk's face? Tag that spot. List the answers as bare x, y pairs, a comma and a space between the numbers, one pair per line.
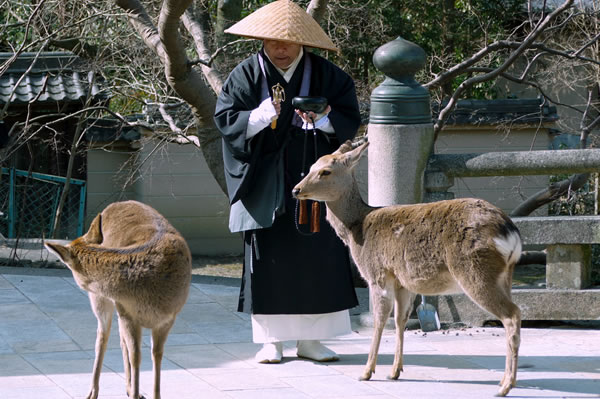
282, 54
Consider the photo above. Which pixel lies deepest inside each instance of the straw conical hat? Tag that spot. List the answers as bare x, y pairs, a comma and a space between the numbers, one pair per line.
283, 20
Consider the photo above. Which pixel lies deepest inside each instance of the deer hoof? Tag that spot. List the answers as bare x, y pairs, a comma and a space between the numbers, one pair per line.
503, 390
366, 376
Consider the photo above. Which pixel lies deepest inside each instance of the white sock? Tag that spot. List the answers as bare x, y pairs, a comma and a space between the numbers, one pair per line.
314, 350
271, 352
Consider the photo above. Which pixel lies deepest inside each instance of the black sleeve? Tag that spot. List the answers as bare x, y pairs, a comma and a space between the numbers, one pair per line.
237, 99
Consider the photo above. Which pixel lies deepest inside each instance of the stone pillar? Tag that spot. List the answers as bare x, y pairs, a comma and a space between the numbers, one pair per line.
400, 130
568, 266
400, 127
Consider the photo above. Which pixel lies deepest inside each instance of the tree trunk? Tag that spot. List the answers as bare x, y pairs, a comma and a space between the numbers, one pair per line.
547, 195
228, 12
317, 9
190, 86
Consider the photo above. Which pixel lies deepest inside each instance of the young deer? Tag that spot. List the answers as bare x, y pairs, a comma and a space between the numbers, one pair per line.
133, 260
450, 246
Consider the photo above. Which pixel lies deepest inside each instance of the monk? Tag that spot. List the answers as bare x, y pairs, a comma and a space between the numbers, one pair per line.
297, 285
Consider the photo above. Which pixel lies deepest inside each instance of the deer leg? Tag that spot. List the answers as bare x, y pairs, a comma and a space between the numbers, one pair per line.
159, 337
494, 295
512, 326
403, 306
126, 363
510, 316
103, 309
131, 338
511, 320
381, 300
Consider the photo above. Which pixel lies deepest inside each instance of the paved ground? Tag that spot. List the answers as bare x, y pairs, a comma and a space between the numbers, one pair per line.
47, 333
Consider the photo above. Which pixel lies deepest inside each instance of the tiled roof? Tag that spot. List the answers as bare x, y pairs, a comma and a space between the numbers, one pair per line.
106, 130
55, 77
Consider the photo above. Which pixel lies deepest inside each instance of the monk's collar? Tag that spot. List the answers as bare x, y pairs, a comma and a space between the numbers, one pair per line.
289, 72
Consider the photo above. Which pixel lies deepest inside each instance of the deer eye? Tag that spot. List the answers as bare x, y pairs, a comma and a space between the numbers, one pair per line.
324, 172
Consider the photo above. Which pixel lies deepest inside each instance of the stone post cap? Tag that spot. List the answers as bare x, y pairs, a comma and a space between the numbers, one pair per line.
400, 99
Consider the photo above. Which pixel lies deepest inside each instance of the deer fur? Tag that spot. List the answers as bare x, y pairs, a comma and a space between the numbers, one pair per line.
465, 245
133, 260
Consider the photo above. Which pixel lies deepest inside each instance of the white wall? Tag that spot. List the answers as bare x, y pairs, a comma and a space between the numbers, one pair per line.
172, 178
107, 173
176, 181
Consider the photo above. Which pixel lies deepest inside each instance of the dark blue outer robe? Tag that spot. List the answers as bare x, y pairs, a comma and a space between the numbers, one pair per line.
285, 271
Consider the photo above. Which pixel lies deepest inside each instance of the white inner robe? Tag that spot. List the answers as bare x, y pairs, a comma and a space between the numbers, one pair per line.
287, 327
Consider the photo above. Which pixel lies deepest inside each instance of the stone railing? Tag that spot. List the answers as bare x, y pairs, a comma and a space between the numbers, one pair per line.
443, 168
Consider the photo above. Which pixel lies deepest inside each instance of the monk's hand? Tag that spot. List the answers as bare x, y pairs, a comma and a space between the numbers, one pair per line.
260, 117
265, 112
310, 117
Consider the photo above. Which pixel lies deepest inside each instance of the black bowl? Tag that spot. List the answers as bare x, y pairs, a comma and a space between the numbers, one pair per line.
307, 104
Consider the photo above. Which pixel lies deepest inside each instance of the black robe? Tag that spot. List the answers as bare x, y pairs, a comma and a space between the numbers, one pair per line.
286, 271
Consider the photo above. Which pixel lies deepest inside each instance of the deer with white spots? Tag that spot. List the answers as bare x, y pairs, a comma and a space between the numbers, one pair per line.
462, 245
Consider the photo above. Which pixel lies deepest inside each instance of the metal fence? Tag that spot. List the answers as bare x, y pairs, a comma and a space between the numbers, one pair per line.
28, 203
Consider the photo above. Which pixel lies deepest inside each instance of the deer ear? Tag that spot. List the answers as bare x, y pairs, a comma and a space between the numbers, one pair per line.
351, 158
94, 233
344, 148
61, 251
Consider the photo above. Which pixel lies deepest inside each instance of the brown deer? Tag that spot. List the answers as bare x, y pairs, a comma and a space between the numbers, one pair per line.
133, 260
436, 248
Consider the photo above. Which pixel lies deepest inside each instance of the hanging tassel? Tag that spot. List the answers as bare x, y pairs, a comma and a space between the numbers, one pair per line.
315, 221
303, 214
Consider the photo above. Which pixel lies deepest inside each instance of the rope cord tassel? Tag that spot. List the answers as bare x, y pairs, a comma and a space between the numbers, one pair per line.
315, 220
303, 214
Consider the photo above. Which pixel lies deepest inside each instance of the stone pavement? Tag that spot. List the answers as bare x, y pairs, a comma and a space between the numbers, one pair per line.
47, 334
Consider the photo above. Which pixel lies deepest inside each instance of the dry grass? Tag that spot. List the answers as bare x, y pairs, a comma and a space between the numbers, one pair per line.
222, 266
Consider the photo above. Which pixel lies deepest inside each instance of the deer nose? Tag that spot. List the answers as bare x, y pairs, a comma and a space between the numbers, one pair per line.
295, 192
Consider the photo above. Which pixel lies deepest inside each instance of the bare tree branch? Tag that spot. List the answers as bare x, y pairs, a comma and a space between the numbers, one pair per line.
142, 23
77, 46
198, 33
23, 45
210, 60
508, 62
458, 69
531, 83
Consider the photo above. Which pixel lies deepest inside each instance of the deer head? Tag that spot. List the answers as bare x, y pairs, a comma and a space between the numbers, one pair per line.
331, 175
